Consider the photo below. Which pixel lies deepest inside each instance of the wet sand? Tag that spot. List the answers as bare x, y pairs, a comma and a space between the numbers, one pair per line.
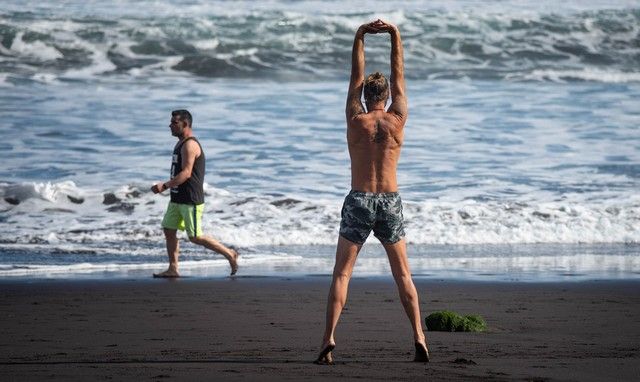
270, 329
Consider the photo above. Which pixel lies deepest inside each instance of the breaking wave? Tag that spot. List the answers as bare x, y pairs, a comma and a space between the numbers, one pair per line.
314, 44
131, 217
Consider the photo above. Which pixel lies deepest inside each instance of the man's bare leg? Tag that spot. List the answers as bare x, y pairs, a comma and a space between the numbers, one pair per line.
346, 255
397, 254
216, 246
173, 249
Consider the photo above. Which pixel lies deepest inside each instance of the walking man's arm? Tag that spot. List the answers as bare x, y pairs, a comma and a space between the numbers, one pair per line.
190, 151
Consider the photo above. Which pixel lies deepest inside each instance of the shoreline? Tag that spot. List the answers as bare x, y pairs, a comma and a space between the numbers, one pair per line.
270, 328
505, 263
427, 279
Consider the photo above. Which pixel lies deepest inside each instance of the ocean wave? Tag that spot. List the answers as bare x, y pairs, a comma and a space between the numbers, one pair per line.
596, 75
586, 45
130, 216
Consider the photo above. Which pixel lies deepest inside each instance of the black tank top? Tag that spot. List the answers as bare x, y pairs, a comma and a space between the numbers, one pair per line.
191, 191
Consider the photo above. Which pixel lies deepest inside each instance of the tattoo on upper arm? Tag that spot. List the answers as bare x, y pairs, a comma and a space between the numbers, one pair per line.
355, 107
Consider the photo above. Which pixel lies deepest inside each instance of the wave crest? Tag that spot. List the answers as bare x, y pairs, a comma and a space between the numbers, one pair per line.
585, 46
132, 215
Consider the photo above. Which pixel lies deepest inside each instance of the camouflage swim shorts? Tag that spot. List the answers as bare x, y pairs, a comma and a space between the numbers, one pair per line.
366, 211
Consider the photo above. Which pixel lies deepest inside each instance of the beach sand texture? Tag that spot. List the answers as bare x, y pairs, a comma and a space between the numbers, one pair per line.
270, 329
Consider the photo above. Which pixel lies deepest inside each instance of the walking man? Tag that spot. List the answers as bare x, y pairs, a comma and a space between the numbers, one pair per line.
374, 137
187, 196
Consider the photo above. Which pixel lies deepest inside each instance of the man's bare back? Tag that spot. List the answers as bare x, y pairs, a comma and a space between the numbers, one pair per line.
375, 135
375, 140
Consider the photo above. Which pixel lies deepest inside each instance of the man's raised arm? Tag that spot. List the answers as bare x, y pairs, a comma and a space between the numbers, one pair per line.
354, 105
398, 92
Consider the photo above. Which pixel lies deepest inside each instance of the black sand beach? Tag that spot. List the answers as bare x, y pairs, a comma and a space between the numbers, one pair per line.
270, 329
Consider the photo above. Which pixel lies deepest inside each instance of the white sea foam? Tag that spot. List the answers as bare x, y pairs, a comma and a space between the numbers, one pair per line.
36, 49
254, 219
209, 44
3, 80
609, 76
47, 78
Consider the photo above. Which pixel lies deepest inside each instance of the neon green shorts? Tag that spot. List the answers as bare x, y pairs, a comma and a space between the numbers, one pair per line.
184, 217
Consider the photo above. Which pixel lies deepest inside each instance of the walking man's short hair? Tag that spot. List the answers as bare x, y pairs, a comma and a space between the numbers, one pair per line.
183, 114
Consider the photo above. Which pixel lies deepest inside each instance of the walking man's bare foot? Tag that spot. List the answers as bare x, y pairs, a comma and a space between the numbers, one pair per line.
325, 357
169, 273
233, 261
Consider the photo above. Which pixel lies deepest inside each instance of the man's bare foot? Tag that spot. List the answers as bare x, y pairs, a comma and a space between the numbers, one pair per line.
233, 261
326, 360
422, 353
169, 273
325, 357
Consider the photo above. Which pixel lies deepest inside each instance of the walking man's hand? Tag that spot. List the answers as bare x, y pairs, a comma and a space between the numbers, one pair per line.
157, 188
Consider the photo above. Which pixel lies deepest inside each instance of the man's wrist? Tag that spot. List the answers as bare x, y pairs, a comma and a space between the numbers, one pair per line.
164, 186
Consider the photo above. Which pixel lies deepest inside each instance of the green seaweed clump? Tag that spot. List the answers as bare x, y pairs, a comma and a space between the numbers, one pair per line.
447, 321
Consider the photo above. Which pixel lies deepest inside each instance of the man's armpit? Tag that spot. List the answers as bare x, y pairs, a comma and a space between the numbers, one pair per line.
398, 114
355, 108
399, 109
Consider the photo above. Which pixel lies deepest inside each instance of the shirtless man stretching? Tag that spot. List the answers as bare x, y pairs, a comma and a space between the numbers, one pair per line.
375, 137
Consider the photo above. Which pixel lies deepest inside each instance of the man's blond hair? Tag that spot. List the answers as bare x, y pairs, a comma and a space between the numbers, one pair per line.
376, 88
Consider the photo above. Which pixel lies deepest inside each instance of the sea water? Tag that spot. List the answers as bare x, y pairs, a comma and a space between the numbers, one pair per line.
521, 158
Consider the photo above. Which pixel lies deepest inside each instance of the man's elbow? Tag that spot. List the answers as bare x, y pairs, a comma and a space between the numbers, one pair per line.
398, 90
184, 176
